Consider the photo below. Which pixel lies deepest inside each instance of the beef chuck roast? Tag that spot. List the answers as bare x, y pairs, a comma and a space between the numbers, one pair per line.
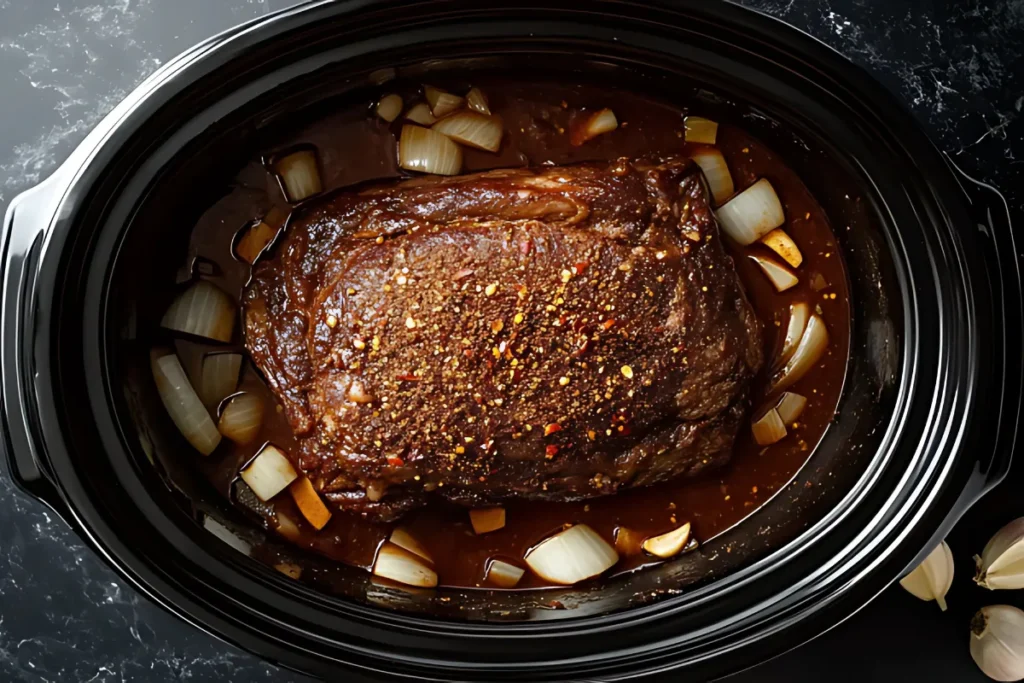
554, 333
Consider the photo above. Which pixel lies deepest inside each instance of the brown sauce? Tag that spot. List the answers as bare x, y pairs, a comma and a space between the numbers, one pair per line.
355, 146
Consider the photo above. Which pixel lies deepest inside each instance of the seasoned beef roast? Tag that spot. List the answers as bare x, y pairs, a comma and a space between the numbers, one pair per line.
554, 333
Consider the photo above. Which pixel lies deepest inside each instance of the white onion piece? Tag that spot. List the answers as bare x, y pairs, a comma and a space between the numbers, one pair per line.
426, 150
628, 542
704, 131
810, 350
287, 527
402, 566
571, 556
598, 123
782, 278
420, 113
717, 173
799, 313
503, 574
781, 243
242, 418
790, 406
203, 310
752, 213
487, 519
183, 405
472, 129
477, 101
389, 107
769, 428
292, 571
269, 473
668, 544
257, 237
218, 378
299, 175
441, 103
308, 501
406, 541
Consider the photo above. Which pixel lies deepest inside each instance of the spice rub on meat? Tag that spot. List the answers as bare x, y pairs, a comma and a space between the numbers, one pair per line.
555, 333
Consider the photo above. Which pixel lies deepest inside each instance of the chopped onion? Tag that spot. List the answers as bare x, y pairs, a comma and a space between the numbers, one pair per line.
420, 113
810, 350
717, 173
503, 574
309, 503
704, 131
292, 571
426, 150
487, 519
818, 282
473, 129
628, 542
769, 428
402, 566
782, 278
441, 103
406, 541
752, 213
287, 527
183, 405
218, 378
256, 238
242, 418
389, 107
669, 544
790, 406
570, 556
299, 175
600, 122
798, 316
203, 310
779, 241
477, 101
269, 473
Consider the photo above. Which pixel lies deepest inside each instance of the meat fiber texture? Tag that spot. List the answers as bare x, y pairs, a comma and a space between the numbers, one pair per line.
554, 333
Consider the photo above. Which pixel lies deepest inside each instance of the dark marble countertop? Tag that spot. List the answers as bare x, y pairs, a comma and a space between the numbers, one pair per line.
64, 616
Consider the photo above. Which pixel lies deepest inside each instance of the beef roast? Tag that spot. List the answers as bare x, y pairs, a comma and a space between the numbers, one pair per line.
554, 333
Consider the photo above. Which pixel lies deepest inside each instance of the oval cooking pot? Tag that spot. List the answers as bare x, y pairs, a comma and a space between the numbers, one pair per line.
926, 424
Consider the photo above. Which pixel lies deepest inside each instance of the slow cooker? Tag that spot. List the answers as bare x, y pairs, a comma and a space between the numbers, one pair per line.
926, 424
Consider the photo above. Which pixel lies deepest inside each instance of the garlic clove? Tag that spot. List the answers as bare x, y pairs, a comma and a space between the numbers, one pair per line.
997, 642
1001, 564
931, 579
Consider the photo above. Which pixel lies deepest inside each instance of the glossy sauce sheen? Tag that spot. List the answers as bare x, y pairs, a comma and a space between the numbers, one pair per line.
355, 146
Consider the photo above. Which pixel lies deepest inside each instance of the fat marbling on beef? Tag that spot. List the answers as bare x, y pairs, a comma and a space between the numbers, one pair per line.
553, 333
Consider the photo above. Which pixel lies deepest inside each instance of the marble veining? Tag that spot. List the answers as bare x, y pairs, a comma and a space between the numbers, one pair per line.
64, 616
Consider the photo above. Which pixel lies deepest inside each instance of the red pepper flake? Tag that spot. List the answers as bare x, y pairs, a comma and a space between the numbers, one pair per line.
395, 461
550, 451
468, 353
407, 378
552, 428
584, 344
526, 246
580, 267
608, 324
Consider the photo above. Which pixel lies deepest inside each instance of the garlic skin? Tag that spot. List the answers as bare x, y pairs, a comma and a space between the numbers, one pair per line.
997, 642
931, 579
1001, 564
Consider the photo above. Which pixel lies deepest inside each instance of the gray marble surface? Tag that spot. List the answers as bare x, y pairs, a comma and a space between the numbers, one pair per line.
64, 616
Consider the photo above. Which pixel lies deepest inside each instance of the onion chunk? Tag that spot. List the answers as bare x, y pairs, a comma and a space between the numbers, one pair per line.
426, 150
389, 107
712, 163
781, 277
256, 238
218, 378
401, 537
752, 213
808, 352
441, 103
402, 566
570, 556
503, 574
203, 310
628, 541
242, 418
269, 473
477, 101
299, 174
769, 428
704, 131
799, 313
487, 519
668, 544
309, 503
472, 129
420, 113
598, 123
781, 243
183, 405
790, 407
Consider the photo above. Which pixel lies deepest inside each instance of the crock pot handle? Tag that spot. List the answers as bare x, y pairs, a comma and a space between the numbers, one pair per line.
24, 228
994, 233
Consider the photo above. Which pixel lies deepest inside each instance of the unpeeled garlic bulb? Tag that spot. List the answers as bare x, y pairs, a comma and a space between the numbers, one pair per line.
1001, 564
997, 642
931, 579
